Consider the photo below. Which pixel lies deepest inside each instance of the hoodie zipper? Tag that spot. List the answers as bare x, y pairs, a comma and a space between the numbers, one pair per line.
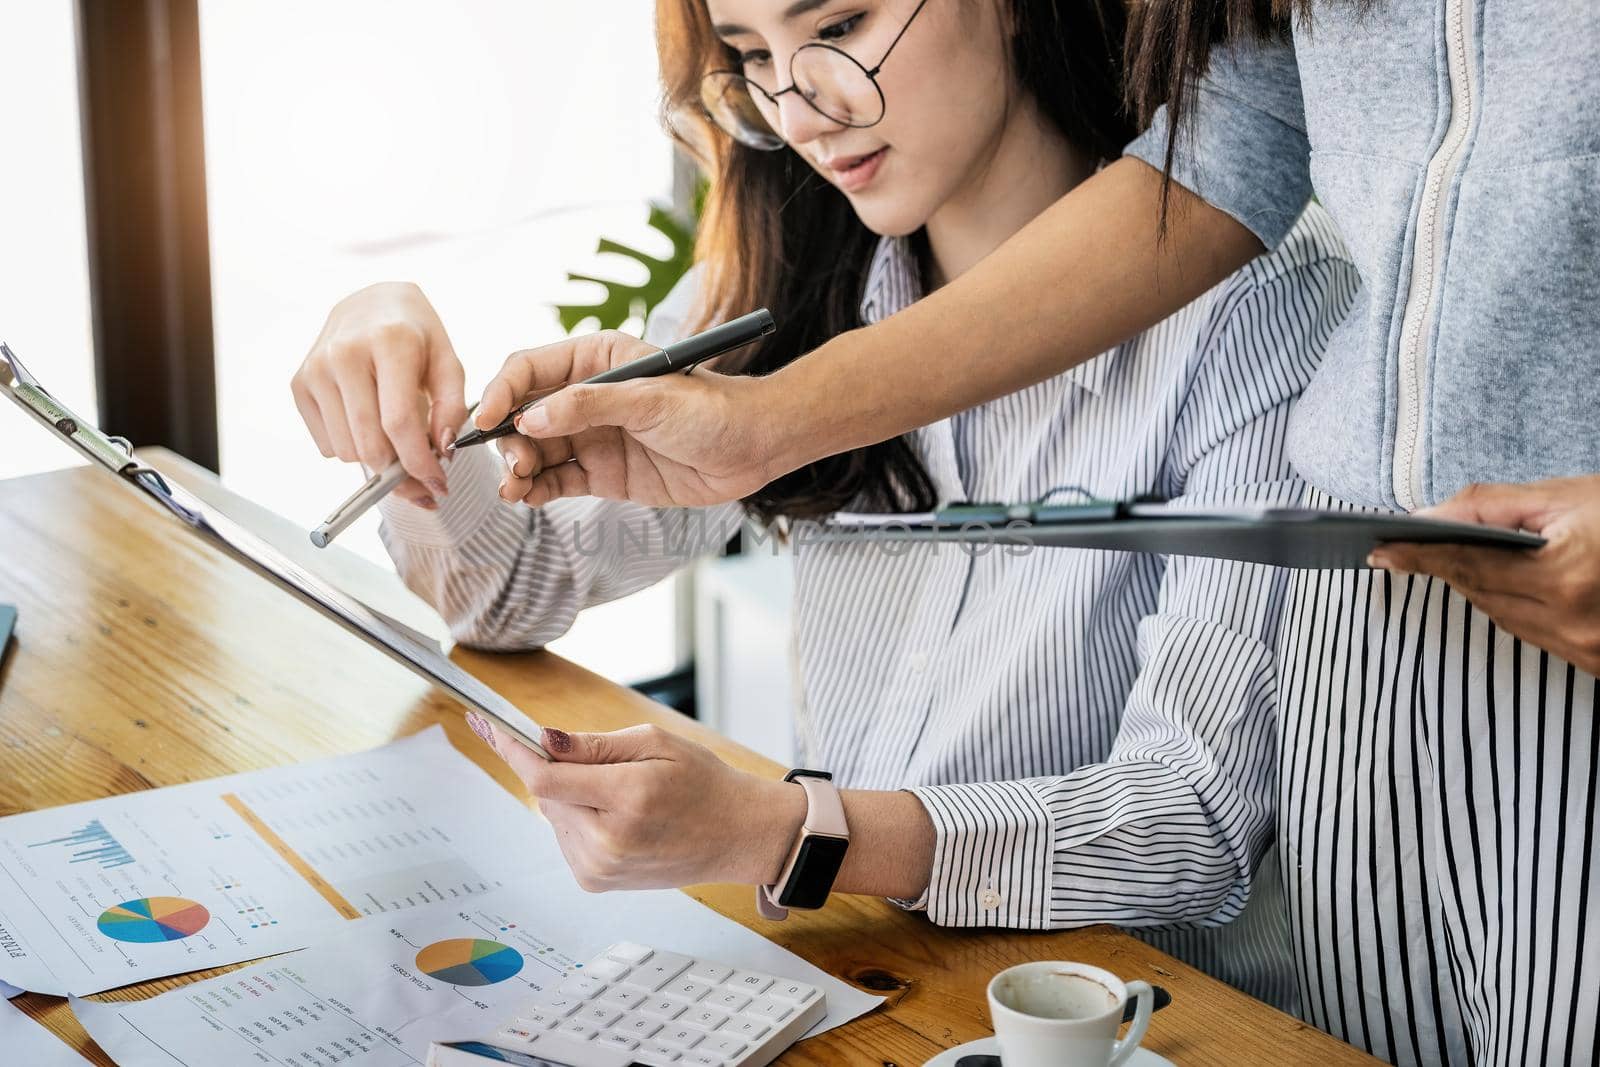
1427, 258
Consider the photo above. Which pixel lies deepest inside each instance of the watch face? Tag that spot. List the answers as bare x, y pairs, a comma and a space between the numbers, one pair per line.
815, 868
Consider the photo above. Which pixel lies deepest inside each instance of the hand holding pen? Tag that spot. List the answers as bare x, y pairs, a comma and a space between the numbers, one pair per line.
382, 386
661, 452
608, 357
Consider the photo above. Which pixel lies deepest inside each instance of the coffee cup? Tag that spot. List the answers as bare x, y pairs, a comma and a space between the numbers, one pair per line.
1057, 1014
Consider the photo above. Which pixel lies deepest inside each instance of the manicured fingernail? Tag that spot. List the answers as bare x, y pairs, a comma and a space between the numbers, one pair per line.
557, 740
438, 486
446, 439
481, 727
535, 420
511, 465
427, 503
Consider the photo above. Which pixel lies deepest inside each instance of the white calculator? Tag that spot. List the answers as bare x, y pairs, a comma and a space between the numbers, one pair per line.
639, 1005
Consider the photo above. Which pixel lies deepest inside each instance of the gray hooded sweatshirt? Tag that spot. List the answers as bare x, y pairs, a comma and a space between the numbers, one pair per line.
1457, 145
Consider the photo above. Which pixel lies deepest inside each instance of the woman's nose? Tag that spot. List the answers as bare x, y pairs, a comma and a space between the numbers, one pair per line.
799, 122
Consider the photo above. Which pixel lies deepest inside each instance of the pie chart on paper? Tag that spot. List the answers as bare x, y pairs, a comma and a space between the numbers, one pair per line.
150, 920
469, 961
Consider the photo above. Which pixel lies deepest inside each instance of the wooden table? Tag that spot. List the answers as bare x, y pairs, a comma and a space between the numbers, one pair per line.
143, 658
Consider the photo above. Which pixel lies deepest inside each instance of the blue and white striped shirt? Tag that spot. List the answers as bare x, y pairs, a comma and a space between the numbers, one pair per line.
1091, 732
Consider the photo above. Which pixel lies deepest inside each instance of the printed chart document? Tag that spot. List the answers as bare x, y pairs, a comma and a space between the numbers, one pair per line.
379, 992
109, 892
26, 1042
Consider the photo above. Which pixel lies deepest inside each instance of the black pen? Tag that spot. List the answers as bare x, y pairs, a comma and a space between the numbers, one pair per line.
680, 355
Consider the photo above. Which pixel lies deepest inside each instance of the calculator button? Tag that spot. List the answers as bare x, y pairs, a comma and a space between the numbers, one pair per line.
598, 1015
661, 1007
770, 1010
517, 1034
721, 1045
680, 1037
575, 1028
625, 997
657, 971
616, 1040
749, 1029
749, 982
728, 1000
628, 952
687, 989
561, 1007
792, 992
637, 1026
606, 970
709, 973
581, 986
705, 1018
656, 1050
534, 1019
703, 1059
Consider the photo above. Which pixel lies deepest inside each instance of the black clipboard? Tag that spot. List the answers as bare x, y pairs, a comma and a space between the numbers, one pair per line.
1299, 538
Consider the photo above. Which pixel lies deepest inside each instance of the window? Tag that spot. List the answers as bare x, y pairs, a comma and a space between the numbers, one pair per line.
477, 148
44, 271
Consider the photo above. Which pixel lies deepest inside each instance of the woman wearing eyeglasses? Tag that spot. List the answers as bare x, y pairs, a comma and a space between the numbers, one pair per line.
1440, 756
1044, 740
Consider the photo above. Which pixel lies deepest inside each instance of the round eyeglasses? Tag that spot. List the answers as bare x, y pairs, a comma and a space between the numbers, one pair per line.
830, 80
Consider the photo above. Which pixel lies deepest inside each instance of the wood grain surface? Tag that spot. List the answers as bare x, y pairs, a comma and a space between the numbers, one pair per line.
143, 658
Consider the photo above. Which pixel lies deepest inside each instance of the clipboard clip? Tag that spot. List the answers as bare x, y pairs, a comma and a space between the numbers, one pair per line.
109, 450
1092, 509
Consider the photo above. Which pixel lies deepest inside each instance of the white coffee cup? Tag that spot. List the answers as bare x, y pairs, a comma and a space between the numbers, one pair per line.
1056, 1014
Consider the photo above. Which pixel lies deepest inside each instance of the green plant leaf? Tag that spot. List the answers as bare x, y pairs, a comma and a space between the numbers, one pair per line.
622, 301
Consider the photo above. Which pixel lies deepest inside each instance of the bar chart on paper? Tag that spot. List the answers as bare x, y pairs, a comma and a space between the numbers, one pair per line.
114, 891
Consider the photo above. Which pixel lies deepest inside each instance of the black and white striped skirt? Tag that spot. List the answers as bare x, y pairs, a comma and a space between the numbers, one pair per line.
1437, 826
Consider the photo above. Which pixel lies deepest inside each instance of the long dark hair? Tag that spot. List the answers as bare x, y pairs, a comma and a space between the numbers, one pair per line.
775, 234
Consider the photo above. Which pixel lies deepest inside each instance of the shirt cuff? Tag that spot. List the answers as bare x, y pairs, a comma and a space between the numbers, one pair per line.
473, 475
1238, 159
992, 855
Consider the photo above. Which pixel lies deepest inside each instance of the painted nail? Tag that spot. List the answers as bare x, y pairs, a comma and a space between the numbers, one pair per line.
557, 740
480, 726
438, 486
511, 465
427, 503
535, 420
446, 442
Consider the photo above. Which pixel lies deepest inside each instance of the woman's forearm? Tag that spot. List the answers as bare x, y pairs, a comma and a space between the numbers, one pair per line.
1086, 275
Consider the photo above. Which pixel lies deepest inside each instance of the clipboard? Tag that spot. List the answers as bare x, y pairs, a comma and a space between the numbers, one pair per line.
404, 646
1297, 538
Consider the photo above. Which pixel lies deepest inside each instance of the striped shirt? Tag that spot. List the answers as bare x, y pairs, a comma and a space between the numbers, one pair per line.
1437, 826
1092, 733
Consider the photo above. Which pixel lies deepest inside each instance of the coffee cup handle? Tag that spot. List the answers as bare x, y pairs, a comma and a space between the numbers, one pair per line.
1146, 996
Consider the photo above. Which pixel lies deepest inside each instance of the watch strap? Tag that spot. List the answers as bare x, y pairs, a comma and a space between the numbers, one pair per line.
824, 817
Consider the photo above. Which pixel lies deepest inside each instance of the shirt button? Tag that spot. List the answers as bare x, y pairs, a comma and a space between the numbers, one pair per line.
989, 899
917, 661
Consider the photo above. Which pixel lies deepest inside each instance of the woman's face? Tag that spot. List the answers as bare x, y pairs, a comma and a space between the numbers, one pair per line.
945, 88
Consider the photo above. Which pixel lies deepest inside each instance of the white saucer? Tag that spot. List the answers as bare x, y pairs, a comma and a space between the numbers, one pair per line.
989, 1046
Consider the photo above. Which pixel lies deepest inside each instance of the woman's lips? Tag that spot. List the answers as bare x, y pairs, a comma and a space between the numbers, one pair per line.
853, 173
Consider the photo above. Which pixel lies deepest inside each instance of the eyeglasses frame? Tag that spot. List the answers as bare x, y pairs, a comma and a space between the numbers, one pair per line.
871, 73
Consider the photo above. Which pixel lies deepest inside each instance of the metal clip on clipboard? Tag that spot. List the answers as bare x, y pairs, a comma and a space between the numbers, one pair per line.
116, 455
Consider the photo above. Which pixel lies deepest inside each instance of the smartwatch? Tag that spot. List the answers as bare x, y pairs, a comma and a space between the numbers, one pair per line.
818, 852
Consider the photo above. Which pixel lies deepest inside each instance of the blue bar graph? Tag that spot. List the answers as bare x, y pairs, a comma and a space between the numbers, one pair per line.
104, 849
